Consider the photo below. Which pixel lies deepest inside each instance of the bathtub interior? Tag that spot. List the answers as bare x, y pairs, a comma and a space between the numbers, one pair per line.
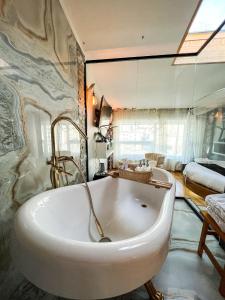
124, 208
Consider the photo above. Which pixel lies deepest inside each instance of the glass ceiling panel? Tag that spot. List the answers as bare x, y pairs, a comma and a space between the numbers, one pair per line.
214, 52
210, 15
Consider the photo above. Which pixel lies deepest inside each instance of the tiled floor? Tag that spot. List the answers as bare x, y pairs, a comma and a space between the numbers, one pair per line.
184, 276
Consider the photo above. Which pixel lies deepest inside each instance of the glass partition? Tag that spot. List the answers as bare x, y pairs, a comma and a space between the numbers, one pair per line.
209, 107
160, 107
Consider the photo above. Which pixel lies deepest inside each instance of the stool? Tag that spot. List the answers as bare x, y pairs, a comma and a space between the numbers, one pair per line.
211, 227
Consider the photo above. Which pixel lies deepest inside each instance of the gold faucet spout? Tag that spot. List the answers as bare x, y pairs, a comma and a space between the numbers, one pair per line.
54, 162
56, 121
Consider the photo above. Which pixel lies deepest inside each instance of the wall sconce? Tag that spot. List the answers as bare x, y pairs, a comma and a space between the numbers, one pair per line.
219, 115
94, 100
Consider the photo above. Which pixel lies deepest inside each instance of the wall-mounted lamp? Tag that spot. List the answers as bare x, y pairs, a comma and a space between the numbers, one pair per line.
219, 114
94, 100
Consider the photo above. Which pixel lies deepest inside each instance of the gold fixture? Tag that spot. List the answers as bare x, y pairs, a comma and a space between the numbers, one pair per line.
56, 169
152, 292
94, 100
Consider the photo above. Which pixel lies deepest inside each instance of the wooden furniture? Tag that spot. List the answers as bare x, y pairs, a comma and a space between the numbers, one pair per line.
132, 164
211, 227
159, 158
160, 184
144, 177
198, 188
156, 183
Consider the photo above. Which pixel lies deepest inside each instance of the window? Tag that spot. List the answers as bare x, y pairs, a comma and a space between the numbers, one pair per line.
134, 140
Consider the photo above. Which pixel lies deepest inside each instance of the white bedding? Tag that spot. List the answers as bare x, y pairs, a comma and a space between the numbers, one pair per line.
216, 208
204, 176
220, 163
220, 222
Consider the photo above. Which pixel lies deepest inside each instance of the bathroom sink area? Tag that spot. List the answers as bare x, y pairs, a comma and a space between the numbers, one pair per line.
55, 240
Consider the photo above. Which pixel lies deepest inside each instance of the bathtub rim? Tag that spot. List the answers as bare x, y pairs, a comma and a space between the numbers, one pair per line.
48, 244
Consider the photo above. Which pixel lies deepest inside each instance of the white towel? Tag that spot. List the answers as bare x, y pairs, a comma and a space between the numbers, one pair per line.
204, 176
216, 218
216, 208
217, 202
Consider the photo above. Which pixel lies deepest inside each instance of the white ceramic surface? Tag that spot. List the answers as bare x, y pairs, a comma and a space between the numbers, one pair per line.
54, 237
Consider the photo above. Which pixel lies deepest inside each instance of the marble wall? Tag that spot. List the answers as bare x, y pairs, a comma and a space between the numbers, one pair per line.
41, 77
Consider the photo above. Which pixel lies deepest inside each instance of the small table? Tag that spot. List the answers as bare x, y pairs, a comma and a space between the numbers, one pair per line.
211, 227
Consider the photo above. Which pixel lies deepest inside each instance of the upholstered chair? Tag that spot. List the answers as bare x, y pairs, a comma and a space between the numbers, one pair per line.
159, 158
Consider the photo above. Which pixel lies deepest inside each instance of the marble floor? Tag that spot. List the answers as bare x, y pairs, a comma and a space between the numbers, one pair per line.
184, 276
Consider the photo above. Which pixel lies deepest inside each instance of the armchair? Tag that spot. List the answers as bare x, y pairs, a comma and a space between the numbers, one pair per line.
159, 158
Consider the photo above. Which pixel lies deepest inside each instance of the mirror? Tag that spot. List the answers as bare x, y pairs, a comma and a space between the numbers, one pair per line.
163, 107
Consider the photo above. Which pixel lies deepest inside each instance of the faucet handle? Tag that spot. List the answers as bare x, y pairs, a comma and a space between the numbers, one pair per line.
60, 170
49, 162
65, 158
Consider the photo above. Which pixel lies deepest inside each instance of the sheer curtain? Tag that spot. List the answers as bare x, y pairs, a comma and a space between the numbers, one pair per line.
165, 131
198, 134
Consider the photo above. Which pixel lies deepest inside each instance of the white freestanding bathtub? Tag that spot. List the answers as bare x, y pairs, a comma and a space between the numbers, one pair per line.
54, 239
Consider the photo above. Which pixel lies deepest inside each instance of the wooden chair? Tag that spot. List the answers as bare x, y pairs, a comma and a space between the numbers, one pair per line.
211, 227
159, 158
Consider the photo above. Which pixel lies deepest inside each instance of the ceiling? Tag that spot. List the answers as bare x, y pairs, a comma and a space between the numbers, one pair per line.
141, 84
122, 28
156, 83
110, 28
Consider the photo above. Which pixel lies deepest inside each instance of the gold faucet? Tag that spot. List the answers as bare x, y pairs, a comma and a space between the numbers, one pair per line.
56, 169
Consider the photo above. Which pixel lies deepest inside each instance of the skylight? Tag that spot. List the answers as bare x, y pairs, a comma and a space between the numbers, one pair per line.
208, 18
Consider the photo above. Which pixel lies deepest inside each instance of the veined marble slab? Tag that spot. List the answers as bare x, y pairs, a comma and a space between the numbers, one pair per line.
41, 77
11, 133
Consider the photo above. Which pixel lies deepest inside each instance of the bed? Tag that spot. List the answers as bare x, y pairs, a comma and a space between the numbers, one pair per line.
204, 179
